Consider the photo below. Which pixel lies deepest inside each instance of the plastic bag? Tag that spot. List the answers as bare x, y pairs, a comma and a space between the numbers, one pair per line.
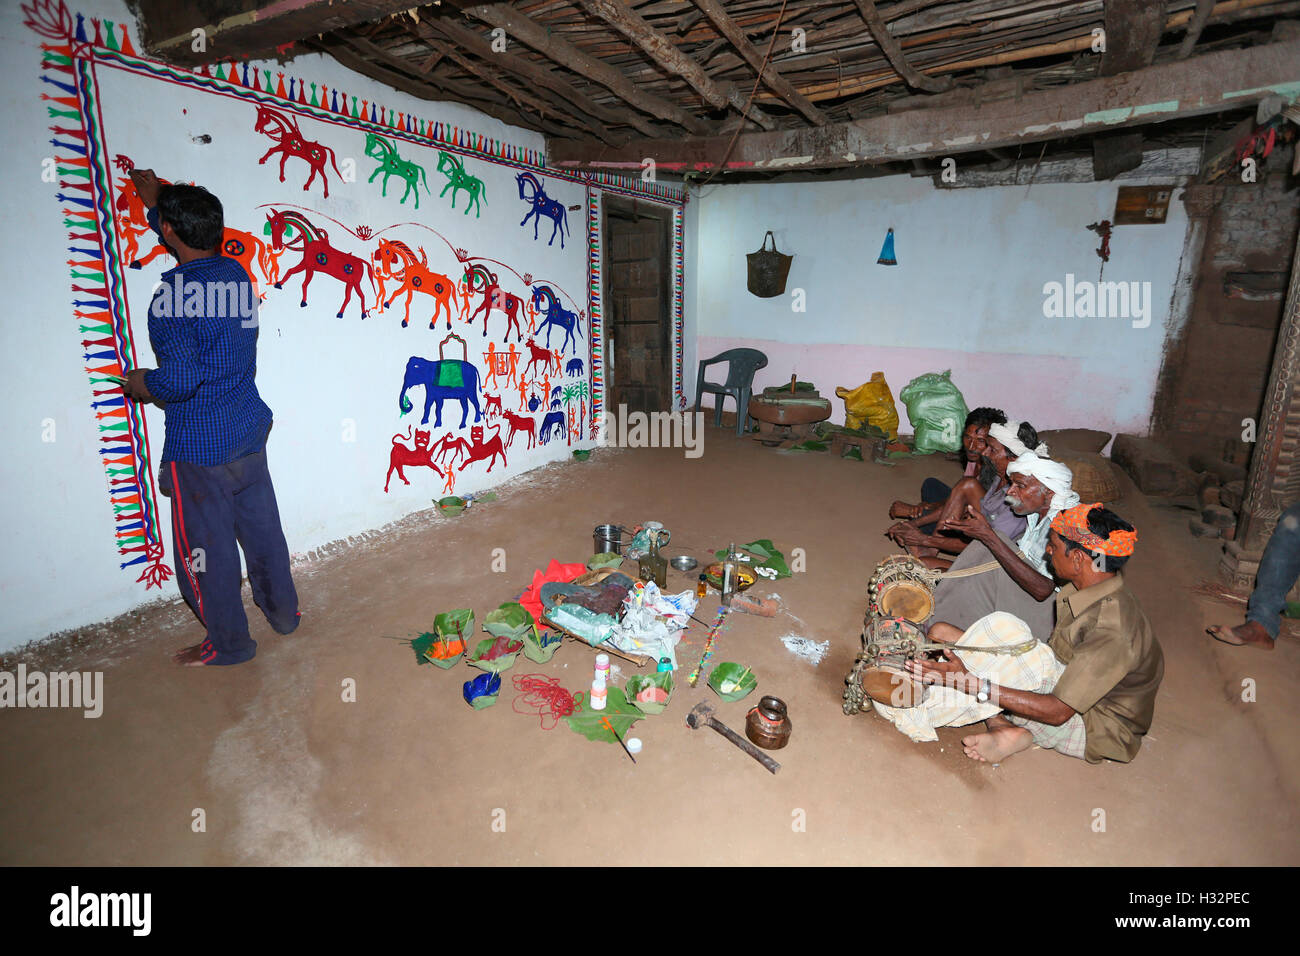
937, 411
873, 403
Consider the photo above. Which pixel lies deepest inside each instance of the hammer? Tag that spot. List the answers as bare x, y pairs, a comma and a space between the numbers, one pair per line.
701, 715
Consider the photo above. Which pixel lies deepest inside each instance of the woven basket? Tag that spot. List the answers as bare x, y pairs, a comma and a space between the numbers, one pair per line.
1094, 477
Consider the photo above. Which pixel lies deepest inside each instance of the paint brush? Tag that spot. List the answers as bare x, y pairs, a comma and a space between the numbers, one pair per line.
610, 727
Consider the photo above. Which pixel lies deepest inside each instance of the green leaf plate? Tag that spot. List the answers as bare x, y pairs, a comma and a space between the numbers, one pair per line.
620, 712
731, 671
639, 682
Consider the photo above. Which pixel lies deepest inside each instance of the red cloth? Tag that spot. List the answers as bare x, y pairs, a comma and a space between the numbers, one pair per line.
531, 599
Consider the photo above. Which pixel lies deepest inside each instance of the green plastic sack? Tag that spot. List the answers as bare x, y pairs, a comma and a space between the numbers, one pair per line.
937, 410
871, 403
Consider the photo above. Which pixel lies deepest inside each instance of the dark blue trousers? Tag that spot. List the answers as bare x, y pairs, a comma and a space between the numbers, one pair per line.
216, 510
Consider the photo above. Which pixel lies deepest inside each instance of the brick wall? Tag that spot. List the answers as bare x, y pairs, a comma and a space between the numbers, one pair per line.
1216, 370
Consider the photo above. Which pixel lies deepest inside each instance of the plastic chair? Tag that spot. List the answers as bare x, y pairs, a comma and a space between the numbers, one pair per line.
742, 364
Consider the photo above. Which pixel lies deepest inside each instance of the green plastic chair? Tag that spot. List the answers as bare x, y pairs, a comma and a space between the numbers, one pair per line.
742, 364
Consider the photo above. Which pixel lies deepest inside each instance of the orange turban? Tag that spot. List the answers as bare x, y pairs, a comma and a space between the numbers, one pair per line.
1073, 524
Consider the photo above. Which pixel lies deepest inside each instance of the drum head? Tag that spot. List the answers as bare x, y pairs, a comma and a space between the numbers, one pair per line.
906, 599
892, 687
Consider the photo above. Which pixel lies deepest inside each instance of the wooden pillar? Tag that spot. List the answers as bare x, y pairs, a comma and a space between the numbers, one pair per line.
1273, 482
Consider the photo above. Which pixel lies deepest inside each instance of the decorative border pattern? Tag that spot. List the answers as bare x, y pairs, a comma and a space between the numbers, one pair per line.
594, 312
679, 284
86, 204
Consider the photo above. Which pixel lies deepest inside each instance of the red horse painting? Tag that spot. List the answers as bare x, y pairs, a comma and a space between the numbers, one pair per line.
479, 279
317, 255
289, 141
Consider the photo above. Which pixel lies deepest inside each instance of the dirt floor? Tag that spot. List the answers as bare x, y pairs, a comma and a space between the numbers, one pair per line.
287, 772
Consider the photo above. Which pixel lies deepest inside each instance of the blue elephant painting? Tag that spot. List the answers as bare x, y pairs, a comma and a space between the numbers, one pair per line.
442, 379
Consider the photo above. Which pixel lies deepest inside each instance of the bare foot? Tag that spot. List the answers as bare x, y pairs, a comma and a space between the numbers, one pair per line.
1001, 741
941, 632
901, 509
1250, 634
191, 656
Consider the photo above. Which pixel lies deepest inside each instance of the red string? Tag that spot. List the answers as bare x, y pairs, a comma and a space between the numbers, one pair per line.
545, 698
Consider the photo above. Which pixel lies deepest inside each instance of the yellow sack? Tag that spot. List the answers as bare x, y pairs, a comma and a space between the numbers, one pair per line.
872, 403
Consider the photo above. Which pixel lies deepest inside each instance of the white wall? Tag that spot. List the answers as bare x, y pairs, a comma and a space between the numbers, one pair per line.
317, 372
967, 293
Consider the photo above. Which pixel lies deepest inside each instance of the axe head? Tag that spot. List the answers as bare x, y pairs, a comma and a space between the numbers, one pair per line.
699, 715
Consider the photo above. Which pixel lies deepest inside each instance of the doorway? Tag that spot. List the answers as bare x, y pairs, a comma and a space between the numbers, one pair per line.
637, 345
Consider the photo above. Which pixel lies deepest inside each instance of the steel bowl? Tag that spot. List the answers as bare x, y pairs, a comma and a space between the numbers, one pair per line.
684, 562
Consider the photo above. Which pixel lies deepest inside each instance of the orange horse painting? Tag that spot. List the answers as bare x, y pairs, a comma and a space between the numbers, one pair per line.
132, 224
395, 260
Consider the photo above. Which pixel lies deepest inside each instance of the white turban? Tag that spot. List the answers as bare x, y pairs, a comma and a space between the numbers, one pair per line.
1008, 436
1056, 478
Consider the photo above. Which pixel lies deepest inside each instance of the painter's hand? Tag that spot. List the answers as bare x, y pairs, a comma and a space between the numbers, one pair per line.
147, 185
972, 524
135, 387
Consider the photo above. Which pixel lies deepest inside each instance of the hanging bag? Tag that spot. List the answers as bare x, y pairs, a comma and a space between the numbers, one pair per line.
768, 269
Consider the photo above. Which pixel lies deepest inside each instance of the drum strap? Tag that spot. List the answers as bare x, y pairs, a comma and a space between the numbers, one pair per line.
1015, 650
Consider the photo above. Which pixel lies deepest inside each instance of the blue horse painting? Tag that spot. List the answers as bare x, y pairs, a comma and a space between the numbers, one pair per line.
546, 301
539, 205
442, 379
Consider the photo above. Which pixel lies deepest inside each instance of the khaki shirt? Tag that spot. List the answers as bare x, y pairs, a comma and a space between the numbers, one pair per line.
1113, 666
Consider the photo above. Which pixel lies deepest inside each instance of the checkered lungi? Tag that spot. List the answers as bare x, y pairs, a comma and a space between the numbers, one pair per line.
1069, 738
1035, 670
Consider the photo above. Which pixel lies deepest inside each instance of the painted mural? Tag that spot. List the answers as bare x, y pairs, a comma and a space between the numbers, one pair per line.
496, 360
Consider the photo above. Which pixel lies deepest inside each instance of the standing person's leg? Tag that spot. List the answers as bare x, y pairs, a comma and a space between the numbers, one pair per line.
257, 524
207, 561
1278, 569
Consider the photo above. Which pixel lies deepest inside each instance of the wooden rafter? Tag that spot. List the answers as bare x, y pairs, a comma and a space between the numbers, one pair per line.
424, 87
1200, 17
768, 73
660, 49
564, 53
535, 73
889, 46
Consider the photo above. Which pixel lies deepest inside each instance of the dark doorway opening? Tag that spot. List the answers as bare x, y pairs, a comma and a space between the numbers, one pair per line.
638, 328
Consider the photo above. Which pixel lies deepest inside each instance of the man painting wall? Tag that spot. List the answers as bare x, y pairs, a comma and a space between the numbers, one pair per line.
203, 329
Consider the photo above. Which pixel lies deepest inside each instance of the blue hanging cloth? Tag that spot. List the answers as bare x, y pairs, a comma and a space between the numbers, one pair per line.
887, 251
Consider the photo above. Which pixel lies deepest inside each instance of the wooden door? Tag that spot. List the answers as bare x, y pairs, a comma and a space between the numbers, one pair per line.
638, 328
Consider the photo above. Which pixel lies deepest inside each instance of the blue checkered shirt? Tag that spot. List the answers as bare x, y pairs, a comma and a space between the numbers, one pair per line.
206, 361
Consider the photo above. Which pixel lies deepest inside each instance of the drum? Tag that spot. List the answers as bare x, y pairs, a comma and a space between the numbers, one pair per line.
878, 672
901, 587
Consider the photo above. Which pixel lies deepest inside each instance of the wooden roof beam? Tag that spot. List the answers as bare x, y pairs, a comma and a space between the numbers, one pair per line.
560, 51
769, 74
660, 49
1209, 83
231, 31
536, 73
894, 53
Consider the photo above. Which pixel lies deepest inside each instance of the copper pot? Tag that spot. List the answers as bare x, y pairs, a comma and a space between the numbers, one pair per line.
768, 725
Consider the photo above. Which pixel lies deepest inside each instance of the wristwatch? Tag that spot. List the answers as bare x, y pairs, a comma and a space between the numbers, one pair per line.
985, 690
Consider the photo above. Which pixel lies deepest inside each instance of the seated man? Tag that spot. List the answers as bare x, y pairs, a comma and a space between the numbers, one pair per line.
1098, 697
1003, 444
1014, 577
1278, 569
935, 492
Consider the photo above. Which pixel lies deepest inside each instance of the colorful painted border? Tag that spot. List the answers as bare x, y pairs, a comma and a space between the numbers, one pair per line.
596, 361
679, 285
